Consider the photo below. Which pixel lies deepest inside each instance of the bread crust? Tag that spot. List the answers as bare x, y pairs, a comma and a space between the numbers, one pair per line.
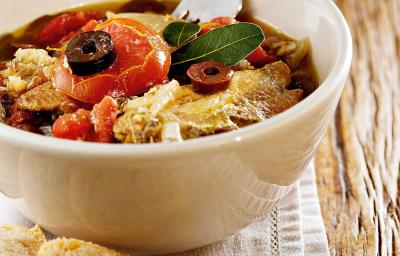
21, 241
74, 247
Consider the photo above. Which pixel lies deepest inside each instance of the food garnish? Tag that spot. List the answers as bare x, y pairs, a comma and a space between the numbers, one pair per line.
90, 52
210, 76
179, 32
228, 44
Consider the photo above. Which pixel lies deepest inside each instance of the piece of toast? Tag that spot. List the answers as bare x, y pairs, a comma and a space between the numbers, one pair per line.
21, 241
74, 247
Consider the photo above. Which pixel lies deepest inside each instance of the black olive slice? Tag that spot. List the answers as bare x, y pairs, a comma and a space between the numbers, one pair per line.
210, 76
90, 52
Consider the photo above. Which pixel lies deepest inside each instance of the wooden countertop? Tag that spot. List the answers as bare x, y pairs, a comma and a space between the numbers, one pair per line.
359, 159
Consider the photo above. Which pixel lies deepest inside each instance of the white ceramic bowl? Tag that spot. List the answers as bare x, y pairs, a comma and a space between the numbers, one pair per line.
167, 198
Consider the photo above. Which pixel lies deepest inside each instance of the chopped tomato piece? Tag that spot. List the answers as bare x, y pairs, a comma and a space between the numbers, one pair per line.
76, 126
224, 20
104, 116
215, 23
260, 58
143, 61
207, 27
64, 24
95, 126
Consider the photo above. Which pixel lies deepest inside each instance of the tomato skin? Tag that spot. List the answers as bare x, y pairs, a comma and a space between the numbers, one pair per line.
141, 64
76, 126
91, 90
64, 24
259, 58
143, 61
104, 116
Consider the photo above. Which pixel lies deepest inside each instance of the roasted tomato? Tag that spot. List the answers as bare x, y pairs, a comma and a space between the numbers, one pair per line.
65, 24
143, 60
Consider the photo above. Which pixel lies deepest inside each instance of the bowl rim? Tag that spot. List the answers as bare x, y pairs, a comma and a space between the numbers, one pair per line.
51, 145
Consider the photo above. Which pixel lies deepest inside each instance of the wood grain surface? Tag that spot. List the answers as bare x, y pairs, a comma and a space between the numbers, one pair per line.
358, 160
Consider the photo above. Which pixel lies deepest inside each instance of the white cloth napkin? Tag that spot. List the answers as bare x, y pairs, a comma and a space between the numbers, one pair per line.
294, 227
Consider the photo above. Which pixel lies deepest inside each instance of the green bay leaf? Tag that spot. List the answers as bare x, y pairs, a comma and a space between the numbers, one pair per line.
177, 33
228, 44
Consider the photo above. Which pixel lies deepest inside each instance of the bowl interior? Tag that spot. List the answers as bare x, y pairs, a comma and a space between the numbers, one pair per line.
304, 18
299, 18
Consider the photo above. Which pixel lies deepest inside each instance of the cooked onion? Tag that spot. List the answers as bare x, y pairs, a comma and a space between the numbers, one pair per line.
171, 132
302, 49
